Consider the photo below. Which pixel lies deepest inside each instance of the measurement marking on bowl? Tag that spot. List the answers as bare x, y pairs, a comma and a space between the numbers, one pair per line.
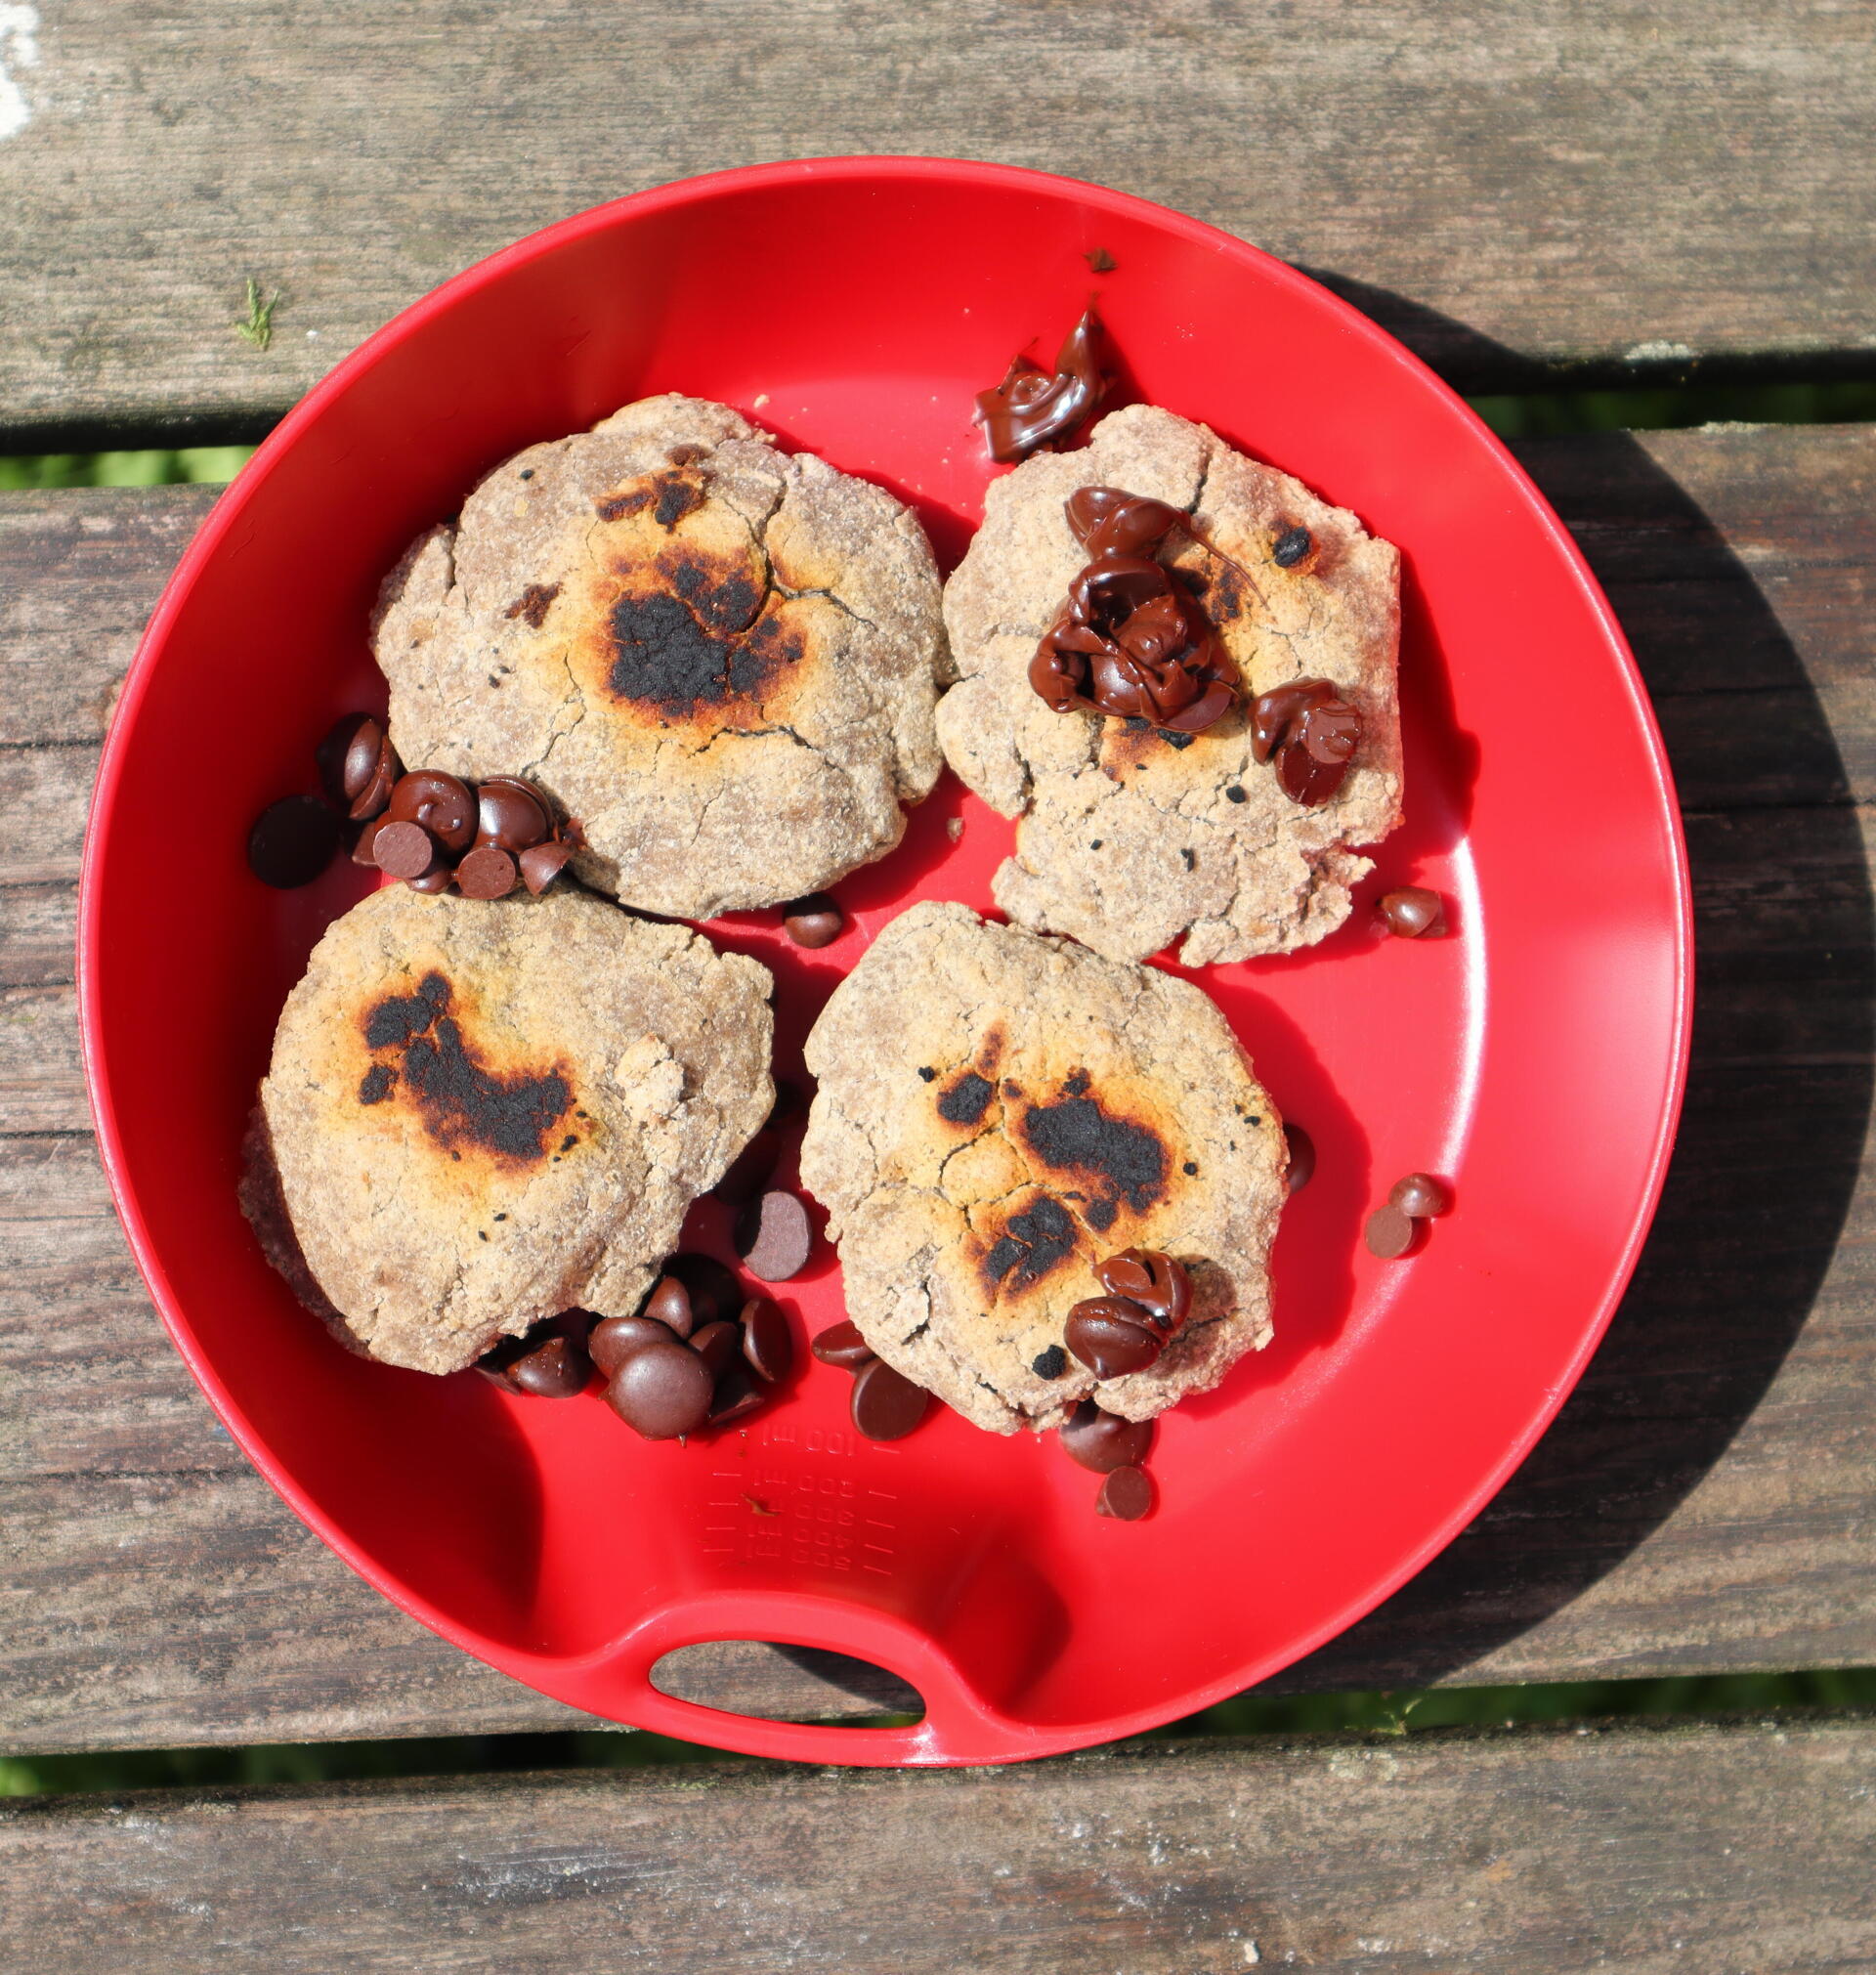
814, 1513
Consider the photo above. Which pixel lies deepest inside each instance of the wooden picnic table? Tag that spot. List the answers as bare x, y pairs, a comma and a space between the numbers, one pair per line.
1527, 194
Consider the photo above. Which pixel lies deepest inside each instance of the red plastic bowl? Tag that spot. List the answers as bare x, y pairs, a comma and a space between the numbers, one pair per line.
1535, 1057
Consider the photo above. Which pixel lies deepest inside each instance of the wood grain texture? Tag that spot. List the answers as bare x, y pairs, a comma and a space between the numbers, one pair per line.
1517, 189
1628, 1851
1706, 1502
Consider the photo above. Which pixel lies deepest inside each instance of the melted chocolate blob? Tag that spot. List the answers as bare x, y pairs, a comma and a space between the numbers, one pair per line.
1129, 642
1029, 408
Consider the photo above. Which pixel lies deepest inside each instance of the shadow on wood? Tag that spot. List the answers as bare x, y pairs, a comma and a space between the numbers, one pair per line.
1772, 1133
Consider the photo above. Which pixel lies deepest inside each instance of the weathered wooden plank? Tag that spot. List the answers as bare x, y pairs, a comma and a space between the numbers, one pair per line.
1620, 1849
1524, 189
1706, 1501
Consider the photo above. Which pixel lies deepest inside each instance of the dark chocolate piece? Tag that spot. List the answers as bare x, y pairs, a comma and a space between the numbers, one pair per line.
486, 873
292, 841
614, 1340
1030, 408
669, 1305
557, 1368
1419, 1197
773, 1237
1291, 547
886, 1405
719, 1346
445, 807
840, 1345
542, 863
813, 922
510, 815
661, 1391
1112, 1336
1390, 1233
403, 849
768, 1344
1102, 1441
1155, 1282
1127, 1495
1411, 912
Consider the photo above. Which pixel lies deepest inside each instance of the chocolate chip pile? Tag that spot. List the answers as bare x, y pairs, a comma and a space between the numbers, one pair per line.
1130, 641
886, 1405
698, 1353
1148, 1298
1393, 1228
1312, 732
430, 828
1031, 407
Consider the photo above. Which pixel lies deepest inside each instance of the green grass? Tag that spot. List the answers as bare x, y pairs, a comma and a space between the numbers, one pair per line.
1389, 1714
1404, 1713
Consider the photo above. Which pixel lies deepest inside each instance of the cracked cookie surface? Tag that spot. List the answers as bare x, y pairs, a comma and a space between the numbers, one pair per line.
724, 659
1128, 838
480, 1114
997, 1111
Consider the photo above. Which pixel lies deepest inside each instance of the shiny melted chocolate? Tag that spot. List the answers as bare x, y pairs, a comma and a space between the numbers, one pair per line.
1129, 641
1031, 406
1311, 732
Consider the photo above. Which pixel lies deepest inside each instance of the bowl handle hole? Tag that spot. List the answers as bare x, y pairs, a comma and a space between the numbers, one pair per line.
786, 1683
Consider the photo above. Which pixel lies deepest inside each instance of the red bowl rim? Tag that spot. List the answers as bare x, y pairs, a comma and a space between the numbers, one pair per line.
759, 1735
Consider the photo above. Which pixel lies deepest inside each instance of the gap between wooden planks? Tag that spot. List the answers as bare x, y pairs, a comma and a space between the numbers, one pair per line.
1518, 192
1706, 1501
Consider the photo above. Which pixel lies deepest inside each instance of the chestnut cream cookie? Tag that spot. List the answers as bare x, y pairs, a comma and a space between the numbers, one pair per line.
479, 1115
997, 1113
1131, 834
721, 658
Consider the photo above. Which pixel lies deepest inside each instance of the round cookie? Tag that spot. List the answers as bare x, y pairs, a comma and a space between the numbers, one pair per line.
722, 659
478, 1115
1130, 838
996, 1113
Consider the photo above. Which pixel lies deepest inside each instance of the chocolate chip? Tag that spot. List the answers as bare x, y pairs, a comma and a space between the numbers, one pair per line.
669, 1304
1111, 1336
1302, 1157
1127, 1495
768, 1344
404, 850
372, 799
1390, 1233
292, 841
542, 863
436, 879
1411, 912
886, 1405
712, 1285
442, 804
739, 1394
1049, 1363
719, 1346
1293, 544
348, 756
363, 845
614, 1340
840, 1345
488, 872
661, 1391
510, 815
813, 922
773, 1237
1420, 1195
1157, 1283
1102, 1441
927, 1073
1234, 793
557, 1368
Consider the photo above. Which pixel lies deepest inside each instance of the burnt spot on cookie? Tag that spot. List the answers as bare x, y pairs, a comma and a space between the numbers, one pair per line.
1113, 1158
695, 627
967, 1100
669, 497
1033, 1244
441, 1075
534, 604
